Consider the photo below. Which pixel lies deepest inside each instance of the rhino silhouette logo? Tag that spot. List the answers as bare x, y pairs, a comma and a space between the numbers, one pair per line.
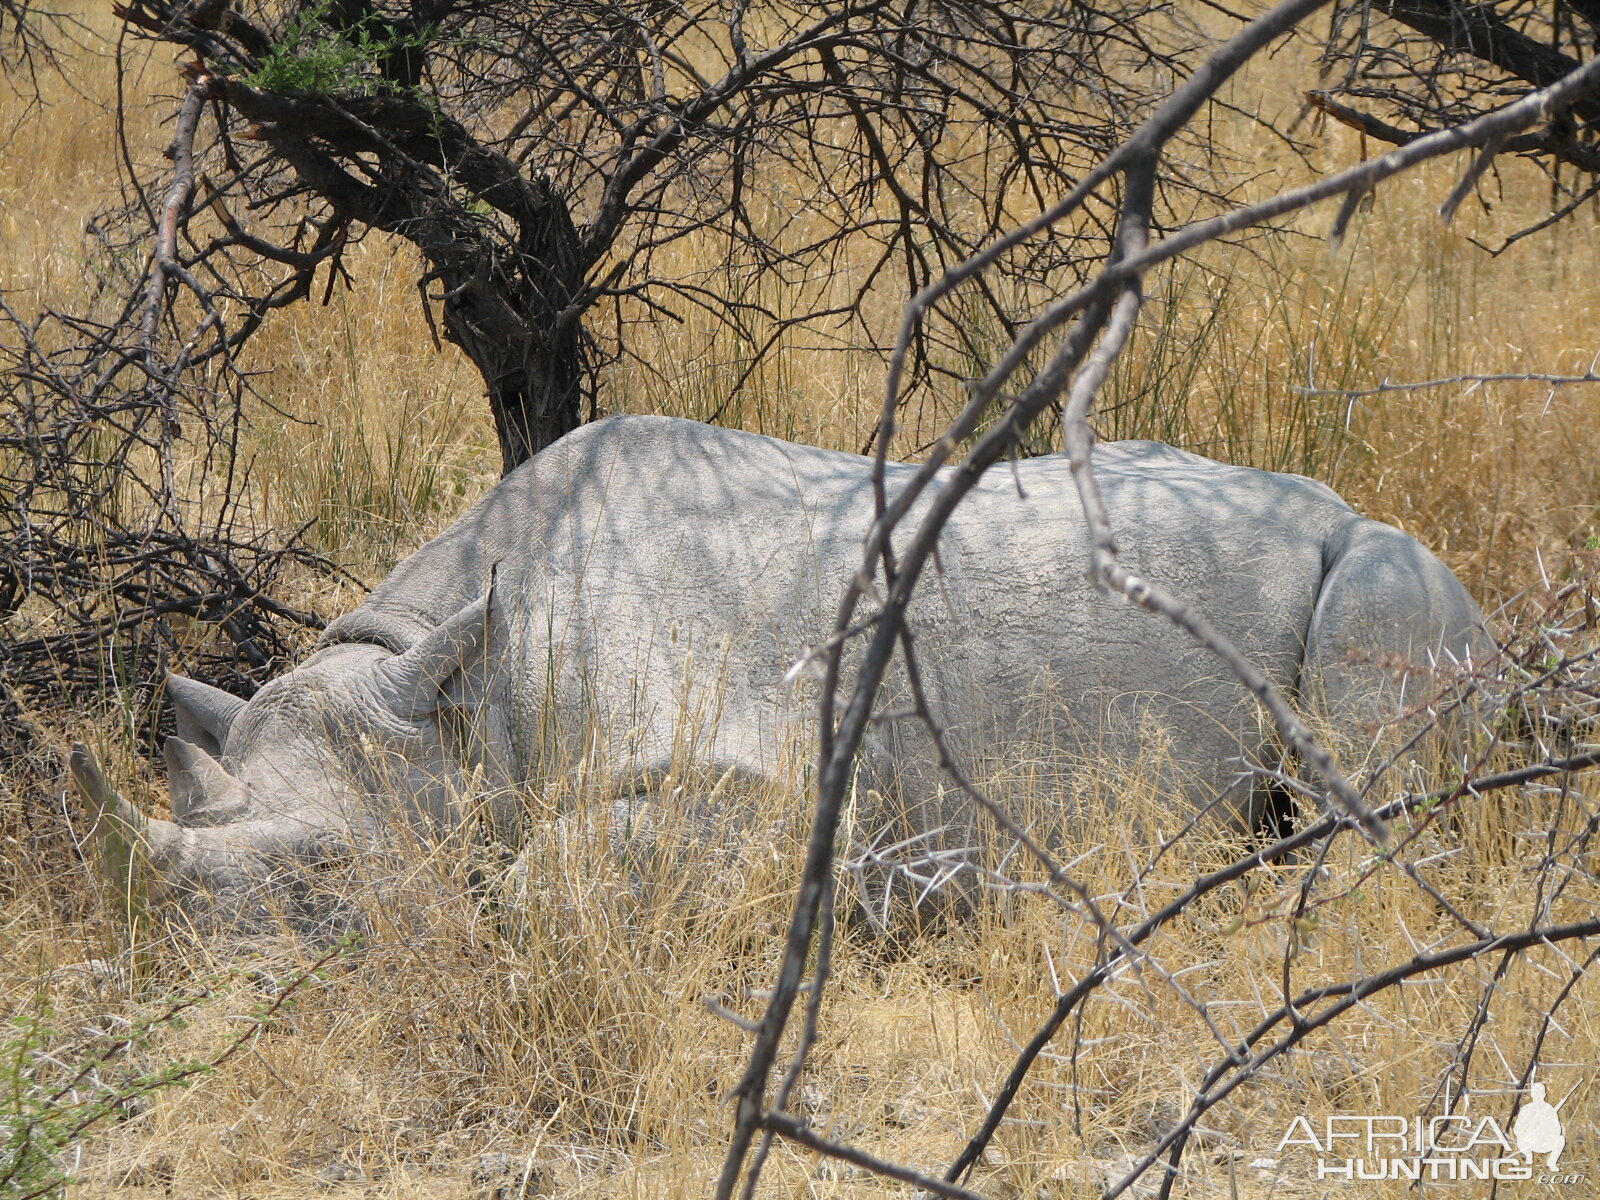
1537, 1129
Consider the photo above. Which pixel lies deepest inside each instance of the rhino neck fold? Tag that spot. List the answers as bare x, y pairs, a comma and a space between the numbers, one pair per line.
372, 627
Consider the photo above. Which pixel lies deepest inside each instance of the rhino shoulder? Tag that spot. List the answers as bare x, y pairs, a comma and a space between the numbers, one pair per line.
676, 445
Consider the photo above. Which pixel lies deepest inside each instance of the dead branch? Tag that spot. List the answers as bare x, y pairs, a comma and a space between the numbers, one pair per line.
802, 1134
1098, 320
530, 229
1453, 381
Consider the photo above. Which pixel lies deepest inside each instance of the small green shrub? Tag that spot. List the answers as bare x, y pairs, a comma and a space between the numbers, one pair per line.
313, 56
57, 1089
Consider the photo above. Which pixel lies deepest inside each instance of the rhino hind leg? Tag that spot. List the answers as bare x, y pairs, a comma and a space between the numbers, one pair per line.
1392, 627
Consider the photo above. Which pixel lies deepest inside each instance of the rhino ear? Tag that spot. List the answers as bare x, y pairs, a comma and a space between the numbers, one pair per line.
415, 681
202, 792
204, 714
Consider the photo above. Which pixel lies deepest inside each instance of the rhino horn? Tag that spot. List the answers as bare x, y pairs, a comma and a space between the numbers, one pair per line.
120, 825
204, 713
202, 791
415, 679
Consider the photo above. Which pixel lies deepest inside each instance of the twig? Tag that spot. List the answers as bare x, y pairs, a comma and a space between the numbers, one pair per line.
1449, 381
798, 1132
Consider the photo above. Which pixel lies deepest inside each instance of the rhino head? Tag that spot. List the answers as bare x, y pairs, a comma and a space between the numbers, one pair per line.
267, 795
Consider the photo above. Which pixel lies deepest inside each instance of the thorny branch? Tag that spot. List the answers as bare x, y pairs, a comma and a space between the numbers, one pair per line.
543, 159
1471, 382
107, 568
614, 110
1098, 320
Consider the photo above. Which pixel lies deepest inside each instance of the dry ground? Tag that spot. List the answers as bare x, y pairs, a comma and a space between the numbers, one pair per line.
567, 1028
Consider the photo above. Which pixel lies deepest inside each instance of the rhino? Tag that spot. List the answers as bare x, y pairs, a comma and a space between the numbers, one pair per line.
651, 588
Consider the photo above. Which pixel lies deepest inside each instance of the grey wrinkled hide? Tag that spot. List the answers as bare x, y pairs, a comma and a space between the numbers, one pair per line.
654, 581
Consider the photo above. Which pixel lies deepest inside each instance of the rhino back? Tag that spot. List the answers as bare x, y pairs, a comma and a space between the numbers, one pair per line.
1033, 654
657, 568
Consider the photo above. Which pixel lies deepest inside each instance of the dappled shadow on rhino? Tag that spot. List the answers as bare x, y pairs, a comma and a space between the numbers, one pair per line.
650, 593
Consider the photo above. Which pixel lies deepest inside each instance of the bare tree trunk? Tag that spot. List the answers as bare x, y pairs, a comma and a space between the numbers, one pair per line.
535, 406
513, 284
512, 320
506, 301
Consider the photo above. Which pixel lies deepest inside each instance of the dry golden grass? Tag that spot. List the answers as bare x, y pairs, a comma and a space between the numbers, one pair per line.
568, 1026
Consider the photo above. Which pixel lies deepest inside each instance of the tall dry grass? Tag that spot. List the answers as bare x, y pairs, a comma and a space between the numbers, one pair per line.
558, 1019
557, 1016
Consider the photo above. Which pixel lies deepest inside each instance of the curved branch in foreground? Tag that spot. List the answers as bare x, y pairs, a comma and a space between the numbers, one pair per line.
1283, 849
1100, 312
1219, 1084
